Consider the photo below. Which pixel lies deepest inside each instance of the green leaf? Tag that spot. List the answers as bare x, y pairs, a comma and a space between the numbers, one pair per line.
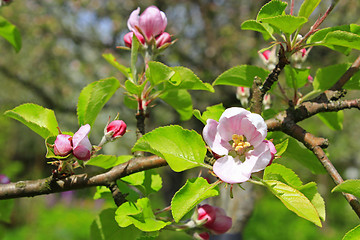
353, 234
343, 39
6, 207
133, 88
108, 161
307, 7
271, 9
10, 33
349, 186
283, 174
299, 153
326, 77
181, 101
281, 147
182, 149
112, 60
93, 98
157, 73
258, 27
242, 75
310, 191
286, 23
212, 112
188, 80
192, 193
40, 120
102, 192
140, 214
296, 78
294, 200
334, 120
104, 227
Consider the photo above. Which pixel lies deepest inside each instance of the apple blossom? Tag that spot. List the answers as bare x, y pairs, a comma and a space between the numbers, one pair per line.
243, 94
129, 37
151, 23
267, 101
117, 127
163, 39
62, 145
81, 143
269, 58
238, 138
215, 219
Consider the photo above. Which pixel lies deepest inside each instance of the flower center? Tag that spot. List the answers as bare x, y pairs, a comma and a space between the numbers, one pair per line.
240, 145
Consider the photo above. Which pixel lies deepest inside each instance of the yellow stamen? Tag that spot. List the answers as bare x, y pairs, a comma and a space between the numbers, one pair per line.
240, 144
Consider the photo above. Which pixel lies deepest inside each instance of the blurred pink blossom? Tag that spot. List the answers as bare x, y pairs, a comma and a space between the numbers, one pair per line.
216, 219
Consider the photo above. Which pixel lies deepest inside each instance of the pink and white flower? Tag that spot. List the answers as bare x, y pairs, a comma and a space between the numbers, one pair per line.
81, 143
239, 138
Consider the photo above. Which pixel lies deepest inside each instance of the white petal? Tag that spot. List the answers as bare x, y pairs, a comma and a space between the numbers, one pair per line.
259, 158
257, 129
230, 170
230, 122
213, 139
133, 20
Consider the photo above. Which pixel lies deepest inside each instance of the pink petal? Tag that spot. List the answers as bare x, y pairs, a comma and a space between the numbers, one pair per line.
152, 22
62, 145
230, 122
221, 224
81, 134
254, 128
231, 171
257, 159
213, 139
82, 153
133, 20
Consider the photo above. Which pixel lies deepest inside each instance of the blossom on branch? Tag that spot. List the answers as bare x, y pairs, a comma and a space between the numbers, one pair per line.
81, 143
63, 145
116, 128
239, 139
215, 218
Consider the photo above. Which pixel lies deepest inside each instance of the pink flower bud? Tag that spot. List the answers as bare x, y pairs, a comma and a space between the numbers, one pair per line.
202, 236
4, 179
272, 150
243, 94
152, 22
303, 52
216, 219
266, 54
310, 79
118, 127
129, 36
81, 143
62, 145
162, 39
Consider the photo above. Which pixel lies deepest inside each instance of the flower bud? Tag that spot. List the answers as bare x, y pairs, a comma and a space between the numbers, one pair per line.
243, 94
216, 219
129, 37
266, 54
118, 127
310, 79
269, 58
202, 236
4, 179
162, 39
81, 143
62, 145
267, 101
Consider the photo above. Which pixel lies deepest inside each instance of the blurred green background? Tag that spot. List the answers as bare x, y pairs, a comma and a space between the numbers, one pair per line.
62, 46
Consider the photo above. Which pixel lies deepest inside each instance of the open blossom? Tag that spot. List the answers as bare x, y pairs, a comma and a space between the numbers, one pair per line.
239, 139
81, 143
148, 26
216, 219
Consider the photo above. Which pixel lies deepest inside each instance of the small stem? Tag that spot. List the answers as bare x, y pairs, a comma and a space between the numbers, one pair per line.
292, 8
168, 208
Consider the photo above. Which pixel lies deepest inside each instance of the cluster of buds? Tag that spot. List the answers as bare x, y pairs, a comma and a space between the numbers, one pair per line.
79, 144
149, 28
208, 220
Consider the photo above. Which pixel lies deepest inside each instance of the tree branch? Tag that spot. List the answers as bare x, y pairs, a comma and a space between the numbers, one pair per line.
50, 185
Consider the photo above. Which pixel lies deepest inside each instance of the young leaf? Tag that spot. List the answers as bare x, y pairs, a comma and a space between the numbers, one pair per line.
104, 227
294, 200
281, 147
112, 60
296, 78
140, 214
353, 234
242, 75
307, 7
343, 39
327, 76
93, 98
40, 120
108, 161
334, 120
157, 73
192, 193
147, 182
283, 174
258, 27
286, 23
349, 186
212, 112
188, 80
182, 149
10, 33
297, 152
181, 101
310, 191
271, 9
